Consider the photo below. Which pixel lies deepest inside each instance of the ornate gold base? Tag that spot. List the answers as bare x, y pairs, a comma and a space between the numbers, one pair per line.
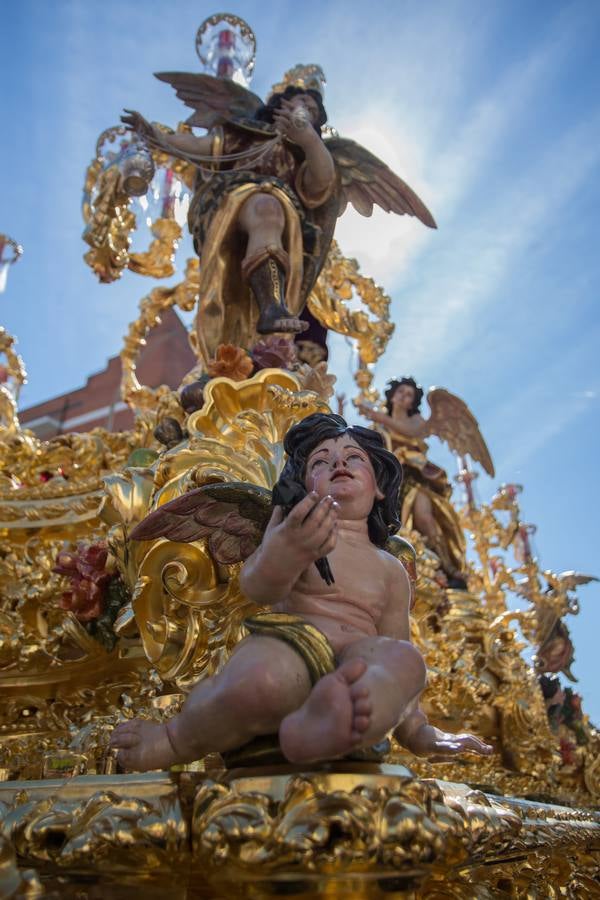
342, 830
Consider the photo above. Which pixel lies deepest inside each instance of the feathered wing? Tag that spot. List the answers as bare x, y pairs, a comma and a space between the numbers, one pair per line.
453, 422
568, 581
366, 180
214, 100
232, 516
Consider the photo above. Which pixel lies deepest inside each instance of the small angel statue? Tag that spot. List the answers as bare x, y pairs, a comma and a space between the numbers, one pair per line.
328, 666
425, 497
267, 195
555, 651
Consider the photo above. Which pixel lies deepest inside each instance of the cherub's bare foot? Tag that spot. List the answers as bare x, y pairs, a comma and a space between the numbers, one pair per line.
143, 745
333, 720
276, 318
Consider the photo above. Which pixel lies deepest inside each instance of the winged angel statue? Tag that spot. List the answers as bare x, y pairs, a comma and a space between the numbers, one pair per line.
267, 194
425, 495
327, 669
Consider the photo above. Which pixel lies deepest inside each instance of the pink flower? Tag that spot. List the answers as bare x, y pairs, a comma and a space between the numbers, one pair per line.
274, 352
89, 577
85, 600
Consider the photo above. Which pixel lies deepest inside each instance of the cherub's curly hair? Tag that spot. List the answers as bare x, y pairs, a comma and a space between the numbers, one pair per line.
304, 437
265, 113
391, 390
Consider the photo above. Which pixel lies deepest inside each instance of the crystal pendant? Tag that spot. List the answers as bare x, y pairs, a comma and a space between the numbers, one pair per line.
226, 46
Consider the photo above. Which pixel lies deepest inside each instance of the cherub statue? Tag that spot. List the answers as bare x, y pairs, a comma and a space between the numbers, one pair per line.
330, 667
267, 195
426, 491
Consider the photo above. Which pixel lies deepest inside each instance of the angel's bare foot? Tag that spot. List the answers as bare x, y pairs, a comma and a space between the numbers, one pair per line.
333, 720
275, 318
143, 745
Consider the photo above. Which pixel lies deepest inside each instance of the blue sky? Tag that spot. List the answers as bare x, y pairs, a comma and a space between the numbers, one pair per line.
489, 110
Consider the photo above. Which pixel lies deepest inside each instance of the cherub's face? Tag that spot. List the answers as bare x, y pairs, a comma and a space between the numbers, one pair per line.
403, 397
342, 469
308, 103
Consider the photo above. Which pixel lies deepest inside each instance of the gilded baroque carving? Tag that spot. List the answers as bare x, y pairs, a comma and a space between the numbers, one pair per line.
96, 627
188, 609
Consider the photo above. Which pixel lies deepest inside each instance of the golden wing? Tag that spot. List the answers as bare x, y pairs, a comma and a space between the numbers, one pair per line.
365, 180
452, 421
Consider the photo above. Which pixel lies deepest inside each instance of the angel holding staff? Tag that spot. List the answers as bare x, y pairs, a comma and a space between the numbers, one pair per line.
267, 195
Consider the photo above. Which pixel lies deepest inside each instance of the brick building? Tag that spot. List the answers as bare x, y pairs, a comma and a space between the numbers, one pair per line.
165, 359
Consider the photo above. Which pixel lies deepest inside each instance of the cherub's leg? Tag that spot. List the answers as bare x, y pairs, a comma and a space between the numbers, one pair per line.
264, 265
359, 704
264, 680
426, 524
424, 519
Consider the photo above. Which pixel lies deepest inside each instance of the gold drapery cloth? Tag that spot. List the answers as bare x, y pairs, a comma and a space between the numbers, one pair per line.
306, 639
227, 311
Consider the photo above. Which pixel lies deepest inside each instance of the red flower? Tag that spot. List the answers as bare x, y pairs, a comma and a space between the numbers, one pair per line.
567, 753
85, 600
86, 569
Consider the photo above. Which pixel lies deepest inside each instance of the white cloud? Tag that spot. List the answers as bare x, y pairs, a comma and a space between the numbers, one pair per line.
470, 267
439, 155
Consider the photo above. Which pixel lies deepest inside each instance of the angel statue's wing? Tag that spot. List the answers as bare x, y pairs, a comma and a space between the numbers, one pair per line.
214, 100
453, 422
366, 180
568, 581
232, 516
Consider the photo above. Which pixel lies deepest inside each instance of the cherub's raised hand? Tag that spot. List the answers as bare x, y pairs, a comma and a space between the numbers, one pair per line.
289, 546
137, 123
373, 414
309, 531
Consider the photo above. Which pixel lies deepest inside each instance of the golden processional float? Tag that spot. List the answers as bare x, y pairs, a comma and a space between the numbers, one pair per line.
96, 628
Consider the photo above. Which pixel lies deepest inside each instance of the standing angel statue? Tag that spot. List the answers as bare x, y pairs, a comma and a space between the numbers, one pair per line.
267, 194
425, 497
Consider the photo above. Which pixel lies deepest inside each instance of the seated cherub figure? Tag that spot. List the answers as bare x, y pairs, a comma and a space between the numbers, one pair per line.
331, 667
